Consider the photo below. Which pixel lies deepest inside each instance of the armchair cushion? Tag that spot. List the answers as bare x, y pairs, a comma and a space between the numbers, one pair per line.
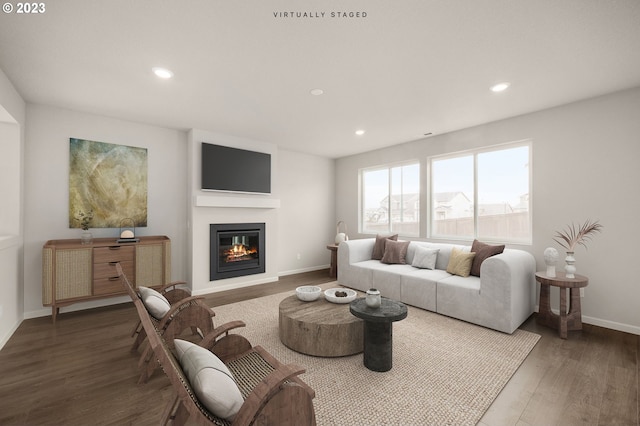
156, 303
211, 380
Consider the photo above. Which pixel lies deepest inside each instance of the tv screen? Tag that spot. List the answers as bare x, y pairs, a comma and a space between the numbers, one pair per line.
235, 170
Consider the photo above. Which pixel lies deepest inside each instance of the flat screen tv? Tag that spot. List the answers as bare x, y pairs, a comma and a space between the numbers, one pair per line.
235, 170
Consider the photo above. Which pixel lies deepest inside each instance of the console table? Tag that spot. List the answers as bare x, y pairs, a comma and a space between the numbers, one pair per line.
333, 269
566, 321
73, 272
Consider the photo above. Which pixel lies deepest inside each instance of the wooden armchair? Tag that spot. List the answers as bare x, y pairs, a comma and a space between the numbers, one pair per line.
273, 393
188, 313
173, 294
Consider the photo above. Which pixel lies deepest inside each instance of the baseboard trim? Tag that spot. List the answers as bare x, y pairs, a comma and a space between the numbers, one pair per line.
302, 270
626, 328
7, 336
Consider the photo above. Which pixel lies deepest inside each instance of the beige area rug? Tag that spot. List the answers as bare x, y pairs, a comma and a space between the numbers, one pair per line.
445, 371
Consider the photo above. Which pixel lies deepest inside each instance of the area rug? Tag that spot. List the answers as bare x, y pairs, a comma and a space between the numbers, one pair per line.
445, 371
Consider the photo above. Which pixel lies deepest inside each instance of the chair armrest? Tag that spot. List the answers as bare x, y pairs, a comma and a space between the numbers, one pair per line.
171, 284
180, 305
264, 391
210, 338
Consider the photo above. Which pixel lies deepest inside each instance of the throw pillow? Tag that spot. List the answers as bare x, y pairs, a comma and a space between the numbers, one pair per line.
460, 262
395, 252
379, 246
156, 303
425, 258
210, 379
483, 251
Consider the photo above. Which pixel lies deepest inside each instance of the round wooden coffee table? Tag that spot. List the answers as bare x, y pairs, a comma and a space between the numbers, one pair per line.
320, 328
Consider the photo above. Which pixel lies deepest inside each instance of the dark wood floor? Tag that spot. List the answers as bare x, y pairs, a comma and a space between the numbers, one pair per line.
80, 371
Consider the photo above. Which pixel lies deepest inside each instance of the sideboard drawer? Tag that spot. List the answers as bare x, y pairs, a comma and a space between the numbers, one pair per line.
108, 270
111, 285
113, 254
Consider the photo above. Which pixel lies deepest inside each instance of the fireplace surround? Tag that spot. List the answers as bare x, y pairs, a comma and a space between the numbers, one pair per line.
236, 249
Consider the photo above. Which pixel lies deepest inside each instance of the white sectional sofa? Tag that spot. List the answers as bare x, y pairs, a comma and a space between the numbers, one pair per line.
501, 298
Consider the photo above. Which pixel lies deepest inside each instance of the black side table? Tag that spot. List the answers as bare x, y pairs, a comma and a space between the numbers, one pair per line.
378, 331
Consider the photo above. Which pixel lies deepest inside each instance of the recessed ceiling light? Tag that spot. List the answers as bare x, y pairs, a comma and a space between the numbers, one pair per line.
317, 92
500, 87
359, 132
162, 72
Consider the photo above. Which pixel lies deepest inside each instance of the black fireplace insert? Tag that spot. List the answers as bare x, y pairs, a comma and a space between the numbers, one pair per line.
237, 249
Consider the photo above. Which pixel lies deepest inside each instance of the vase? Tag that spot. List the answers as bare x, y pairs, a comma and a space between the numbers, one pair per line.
373, 299
341, 236
569, 267
86, 237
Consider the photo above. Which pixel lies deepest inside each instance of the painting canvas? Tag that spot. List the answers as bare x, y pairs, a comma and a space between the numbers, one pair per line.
108, 181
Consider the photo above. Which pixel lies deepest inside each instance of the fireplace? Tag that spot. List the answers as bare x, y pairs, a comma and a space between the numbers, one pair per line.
237, 249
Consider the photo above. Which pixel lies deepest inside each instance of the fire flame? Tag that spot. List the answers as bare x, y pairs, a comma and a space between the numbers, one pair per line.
239, 252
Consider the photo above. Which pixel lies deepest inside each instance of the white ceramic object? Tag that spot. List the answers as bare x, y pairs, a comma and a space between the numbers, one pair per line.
330, 295
308, 293
570, 268
551, 258
373, 298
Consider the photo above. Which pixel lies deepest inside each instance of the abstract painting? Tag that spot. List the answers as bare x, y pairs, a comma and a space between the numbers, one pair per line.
107, 182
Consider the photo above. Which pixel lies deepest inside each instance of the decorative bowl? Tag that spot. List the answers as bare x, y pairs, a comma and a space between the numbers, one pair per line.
330, 295
308, 293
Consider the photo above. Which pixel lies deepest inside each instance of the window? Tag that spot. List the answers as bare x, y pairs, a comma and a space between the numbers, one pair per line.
391, 199
482, 194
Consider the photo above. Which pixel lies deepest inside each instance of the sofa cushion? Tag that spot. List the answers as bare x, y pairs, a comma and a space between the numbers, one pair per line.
210, 379
425, 258
418, 287
380, 244
156, 303
395, 252
483, 251
460, 262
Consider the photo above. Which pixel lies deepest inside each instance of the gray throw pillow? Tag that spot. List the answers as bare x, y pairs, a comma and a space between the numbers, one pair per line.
425, 258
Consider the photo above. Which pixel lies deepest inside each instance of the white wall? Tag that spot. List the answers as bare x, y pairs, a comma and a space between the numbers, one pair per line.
47, 189
585, 166
12, 120
301, 191
307, 222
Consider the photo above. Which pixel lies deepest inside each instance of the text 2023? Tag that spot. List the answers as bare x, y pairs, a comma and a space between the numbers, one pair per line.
30, 8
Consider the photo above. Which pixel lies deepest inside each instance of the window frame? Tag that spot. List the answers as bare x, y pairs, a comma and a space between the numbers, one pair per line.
475, 153
390, 182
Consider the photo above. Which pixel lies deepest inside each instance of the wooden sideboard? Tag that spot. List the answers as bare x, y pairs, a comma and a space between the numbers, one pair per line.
73, 272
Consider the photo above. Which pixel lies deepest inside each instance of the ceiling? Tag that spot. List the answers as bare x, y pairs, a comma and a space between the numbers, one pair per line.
400, 70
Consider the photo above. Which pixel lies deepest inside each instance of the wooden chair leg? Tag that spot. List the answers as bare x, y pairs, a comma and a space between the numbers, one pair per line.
139, 339
168, 412
147, 371
136, 329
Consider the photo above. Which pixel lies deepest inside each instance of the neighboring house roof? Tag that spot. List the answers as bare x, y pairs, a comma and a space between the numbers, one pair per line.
445, 197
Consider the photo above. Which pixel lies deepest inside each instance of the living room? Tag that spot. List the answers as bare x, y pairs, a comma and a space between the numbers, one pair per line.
583, 167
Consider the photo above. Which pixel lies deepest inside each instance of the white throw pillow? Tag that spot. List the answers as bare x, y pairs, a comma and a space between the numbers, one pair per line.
425, 258
156, 303
210, 379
